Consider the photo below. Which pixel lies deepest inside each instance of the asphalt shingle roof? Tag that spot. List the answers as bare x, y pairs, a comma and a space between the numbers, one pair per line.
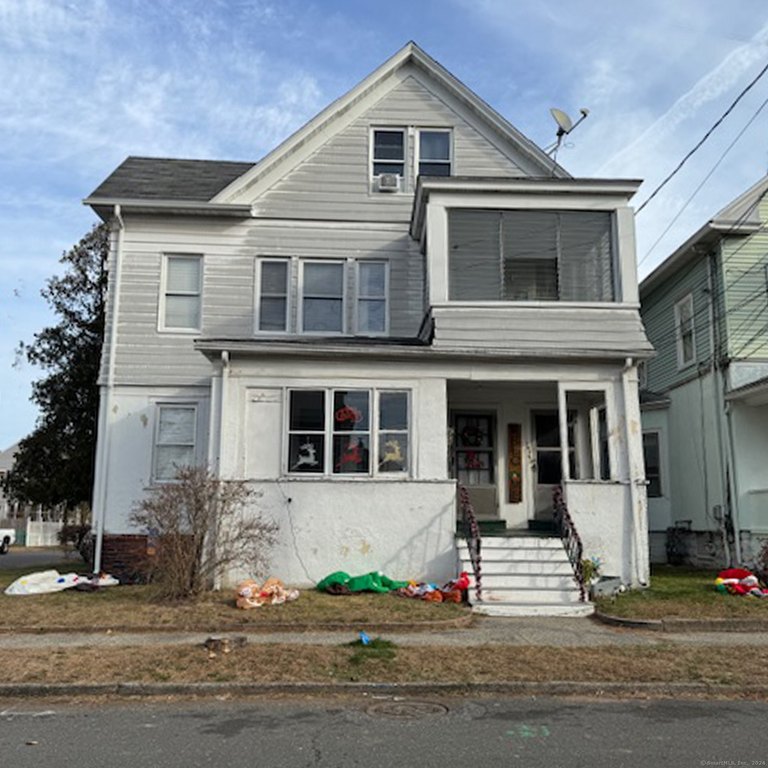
151, 178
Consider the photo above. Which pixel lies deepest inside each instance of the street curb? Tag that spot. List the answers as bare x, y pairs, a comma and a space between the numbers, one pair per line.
684, 625
555, 688
462, 622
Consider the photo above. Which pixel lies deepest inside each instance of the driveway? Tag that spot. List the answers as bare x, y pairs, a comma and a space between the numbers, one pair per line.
42, 558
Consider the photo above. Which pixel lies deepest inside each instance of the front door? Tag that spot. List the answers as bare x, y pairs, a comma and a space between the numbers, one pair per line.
546, 463
474, 460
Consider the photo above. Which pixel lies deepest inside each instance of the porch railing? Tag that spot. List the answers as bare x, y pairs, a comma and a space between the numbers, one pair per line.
471, 531
571, 540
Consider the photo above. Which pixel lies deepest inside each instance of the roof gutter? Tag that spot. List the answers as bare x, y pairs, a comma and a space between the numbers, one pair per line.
179, 207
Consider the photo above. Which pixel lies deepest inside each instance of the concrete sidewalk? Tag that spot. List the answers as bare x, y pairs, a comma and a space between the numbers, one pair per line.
560, 632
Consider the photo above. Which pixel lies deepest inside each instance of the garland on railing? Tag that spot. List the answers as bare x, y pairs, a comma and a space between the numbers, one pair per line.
471, 532
571, 540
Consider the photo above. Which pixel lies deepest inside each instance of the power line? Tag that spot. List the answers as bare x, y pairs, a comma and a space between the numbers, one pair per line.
712, 129
703, 181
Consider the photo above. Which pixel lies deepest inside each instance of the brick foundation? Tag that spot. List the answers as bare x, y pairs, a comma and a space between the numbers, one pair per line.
127, 557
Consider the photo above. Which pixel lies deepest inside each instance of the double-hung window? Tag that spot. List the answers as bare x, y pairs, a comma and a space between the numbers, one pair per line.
686, 346
372, 291
348, 432
274, 295
183, 281
434, 152
388, 154
322, 297
175, 431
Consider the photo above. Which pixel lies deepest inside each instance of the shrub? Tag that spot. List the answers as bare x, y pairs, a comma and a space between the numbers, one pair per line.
202, 526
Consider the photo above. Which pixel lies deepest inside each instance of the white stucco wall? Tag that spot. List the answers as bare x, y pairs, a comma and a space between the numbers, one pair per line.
601, 514
404, 529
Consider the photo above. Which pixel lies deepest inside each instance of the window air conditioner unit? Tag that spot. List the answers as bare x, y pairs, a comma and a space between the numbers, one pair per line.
388, 182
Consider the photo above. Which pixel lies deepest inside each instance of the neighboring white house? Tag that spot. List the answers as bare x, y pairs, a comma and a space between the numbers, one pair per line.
706, 428
407, 292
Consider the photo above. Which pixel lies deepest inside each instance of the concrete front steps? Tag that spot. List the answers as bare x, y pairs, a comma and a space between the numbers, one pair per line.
524, 575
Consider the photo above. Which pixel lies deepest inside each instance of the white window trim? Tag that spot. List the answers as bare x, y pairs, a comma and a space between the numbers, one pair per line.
159, 406
417, 149
374, 431
260, 261
161, 326
681, 361
371, 159
360, 297
344, 298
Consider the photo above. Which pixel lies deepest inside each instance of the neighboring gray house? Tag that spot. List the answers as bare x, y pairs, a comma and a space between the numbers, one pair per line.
705, 408
404, 294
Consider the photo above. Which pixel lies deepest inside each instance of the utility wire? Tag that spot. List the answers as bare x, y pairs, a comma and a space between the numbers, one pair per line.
703, 181
704, 138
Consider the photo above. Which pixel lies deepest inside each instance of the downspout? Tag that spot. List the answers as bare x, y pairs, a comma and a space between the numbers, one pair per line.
717, 396
639, 557
217, 578
105, 406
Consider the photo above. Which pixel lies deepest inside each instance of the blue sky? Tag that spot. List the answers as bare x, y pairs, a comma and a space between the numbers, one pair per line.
84, 83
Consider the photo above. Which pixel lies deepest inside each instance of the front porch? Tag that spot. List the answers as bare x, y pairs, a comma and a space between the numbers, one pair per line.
511, 444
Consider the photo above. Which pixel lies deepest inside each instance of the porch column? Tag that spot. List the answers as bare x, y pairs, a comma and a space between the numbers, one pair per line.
562, 412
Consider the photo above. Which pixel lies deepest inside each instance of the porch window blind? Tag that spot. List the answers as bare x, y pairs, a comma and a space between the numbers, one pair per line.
530, 255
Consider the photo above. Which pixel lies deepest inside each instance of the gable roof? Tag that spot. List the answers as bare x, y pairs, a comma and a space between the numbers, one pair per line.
212, 184
154, 178
409, 54
740, 217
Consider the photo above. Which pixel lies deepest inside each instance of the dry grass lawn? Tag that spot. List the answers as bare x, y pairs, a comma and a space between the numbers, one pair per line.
133, 607
681, 593
286, 663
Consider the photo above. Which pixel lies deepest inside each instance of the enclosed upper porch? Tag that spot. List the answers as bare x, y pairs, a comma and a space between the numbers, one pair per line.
530, 265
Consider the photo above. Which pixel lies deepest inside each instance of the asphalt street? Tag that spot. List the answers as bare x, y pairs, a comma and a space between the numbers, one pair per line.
388, 731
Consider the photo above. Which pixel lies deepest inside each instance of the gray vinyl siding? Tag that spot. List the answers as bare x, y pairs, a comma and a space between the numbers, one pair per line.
229, 249
658, 312
550, 331
744, 265
334, 183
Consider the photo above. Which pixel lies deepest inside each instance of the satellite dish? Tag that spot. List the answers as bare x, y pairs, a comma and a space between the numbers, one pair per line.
564, 126
564, 123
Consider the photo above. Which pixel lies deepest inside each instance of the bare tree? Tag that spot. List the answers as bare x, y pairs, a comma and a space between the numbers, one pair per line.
204, 526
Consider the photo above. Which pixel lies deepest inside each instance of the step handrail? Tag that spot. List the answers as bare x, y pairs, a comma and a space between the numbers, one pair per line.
571, 540
471, 531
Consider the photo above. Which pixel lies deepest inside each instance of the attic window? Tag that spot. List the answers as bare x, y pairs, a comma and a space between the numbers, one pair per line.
389, 151
434, 153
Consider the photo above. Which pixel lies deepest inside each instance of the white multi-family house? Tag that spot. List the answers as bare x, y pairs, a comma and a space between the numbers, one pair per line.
405, 296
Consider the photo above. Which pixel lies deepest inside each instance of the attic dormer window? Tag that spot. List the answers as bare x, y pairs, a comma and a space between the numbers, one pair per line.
388, 151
